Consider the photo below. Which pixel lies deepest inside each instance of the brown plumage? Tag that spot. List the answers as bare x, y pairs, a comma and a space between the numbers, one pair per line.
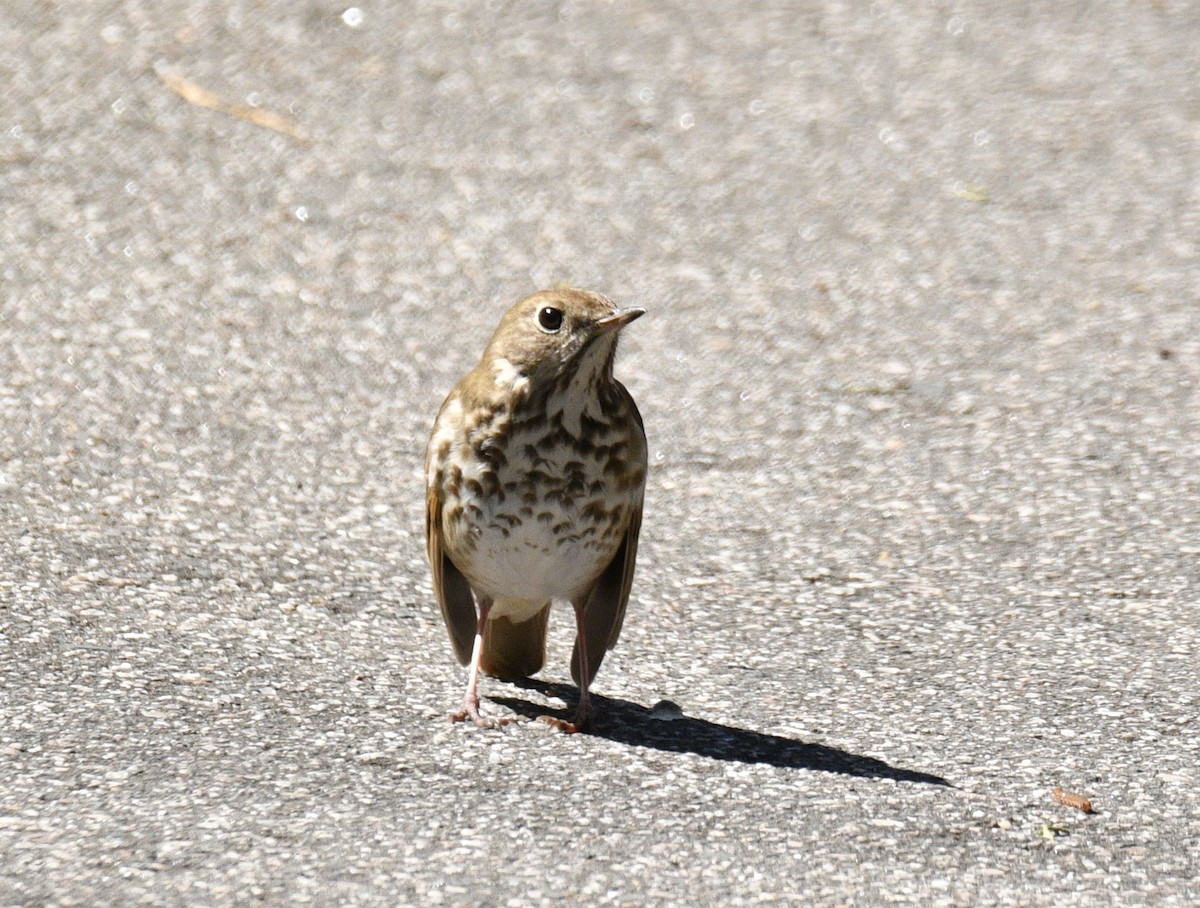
535, 473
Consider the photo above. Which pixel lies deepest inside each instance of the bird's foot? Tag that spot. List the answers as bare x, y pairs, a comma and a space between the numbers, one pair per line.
471, 711
574, 725
567, 727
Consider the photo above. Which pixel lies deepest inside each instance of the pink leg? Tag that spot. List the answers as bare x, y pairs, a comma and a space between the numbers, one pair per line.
470, 707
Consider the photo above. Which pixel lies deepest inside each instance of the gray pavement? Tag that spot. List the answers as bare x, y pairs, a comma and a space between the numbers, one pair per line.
920, 378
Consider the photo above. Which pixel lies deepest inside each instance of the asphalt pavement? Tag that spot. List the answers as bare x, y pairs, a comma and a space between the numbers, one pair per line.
919, 374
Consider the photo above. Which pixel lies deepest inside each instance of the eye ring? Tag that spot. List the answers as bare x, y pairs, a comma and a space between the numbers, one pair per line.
550, 319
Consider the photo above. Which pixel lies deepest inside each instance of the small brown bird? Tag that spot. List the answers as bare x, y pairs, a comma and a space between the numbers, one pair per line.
535, 473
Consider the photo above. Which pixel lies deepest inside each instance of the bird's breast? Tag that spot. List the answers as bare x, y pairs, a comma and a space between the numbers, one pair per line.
538, 510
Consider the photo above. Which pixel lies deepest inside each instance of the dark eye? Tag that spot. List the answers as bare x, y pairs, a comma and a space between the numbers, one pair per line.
549, 319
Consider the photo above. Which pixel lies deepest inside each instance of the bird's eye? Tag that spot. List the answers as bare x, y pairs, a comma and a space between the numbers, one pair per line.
549, 319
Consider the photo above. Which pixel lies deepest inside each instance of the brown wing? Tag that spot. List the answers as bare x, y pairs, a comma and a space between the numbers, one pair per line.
604, 611
450, 587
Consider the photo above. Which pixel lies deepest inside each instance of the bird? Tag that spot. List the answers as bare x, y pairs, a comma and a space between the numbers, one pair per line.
535, 478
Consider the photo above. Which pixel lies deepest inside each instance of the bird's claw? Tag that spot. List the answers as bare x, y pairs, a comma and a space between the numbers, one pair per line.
563, 725
576, 724
471, 711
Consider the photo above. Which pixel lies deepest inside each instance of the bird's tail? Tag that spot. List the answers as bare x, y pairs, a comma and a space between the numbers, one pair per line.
513, 650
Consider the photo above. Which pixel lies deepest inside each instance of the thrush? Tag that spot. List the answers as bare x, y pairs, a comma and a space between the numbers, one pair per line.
535, 473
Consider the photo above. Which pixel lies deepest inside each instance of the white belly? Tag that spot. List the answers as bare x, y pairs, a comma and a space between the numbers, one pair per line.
528, 563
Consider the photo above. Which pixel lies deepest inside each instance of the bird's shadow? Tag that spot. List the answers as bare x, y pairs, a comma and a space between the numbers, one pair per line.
629, 723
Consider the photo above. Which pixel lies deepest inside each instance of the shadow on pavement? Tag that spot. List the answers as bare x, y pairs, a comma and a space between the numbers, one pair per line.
629, 723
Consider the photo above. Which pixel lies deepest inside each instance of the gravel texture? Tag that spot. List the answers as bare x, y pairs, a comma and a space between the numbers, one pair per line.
920, 372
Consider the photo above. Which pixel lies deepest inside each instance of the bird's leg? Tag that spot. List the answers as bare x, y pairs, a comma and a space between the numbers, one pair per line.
470, 707
583, 709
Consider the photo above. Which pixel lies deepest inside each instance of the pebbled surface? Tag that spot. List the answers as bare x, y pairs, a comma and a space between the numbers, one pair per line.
920, 379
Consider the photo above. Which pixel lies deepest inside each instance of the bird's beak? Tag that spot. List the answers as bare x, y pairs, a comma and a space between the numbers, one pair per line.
618, 320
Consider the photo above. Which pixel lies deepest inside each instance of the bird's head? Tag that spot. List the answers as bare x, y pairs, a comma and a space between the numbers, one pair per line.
555, 335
